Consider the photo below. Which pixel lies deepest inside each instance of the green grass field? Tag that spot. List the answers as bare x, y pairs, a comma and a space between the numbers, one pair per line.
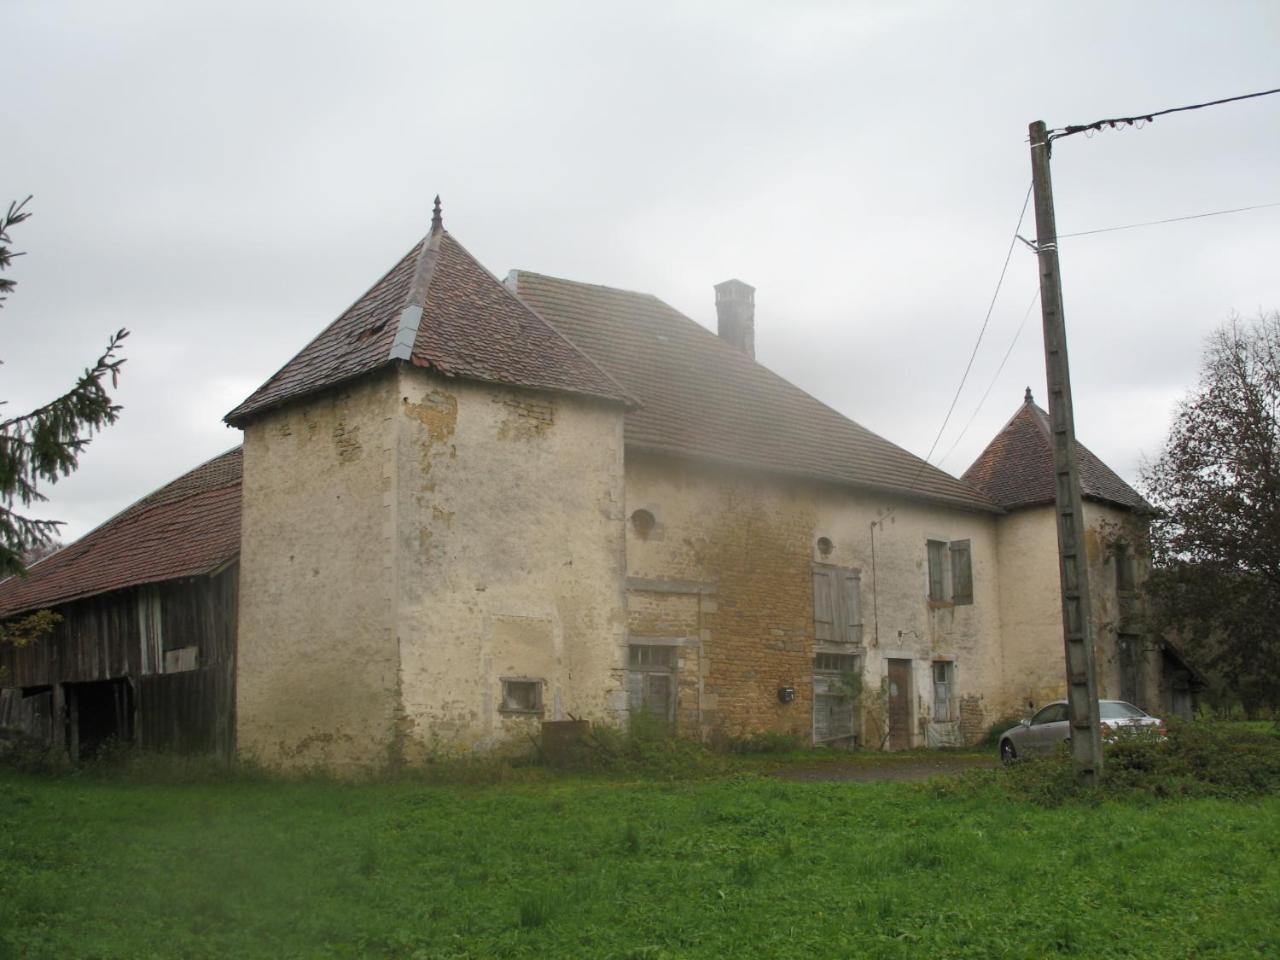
739, 866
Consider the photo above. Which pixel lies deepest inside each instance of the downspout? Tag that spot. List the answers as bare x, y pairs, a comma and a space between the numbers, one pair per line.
875, 606
875, 602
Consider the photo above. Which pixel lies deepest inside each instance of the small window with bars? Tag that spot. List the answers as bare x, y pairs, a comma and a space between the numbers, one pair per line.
521, 696
835, 696
647, 655
651, 682
944, 691
835, 662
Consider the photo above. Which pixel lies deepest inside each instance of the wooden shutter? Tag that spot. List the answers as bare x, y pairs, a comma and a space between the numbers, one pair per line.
961, 572
824, 604
851, 605
937, 589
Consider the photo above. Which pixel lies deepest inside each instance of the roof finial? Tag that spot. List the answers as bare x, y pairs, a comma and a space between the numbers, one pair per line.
1027, 398
437, 219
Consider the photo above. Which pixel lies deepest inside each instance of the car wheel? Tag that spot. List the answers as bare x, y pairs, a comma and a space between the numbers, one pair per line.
1007, 752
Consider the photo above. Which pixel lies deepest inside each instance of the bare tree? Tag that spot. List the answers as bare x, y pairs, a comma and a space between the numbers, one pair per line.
1216, 576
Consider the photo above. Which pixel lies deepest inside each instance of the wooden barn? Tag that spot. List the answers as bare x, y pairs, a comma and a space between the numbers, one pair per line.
146, 648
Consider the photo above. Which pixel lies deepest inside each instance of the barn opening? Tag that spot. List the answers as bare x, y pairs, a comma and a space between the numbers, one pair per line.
99, 713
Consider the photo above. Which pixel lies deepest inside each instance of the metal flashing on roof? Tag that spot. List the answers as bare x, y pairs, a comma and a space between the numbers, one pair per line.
406, 332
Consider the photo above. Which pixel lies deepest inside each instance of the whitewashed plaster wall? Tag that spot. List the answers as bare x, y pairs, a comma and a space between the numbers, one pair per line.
509, 559
317, 664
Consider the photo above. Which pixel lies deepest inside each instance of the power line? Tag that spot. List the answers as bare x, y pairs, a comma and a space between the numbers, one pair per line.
986, 320
1154, 223
1148, 117
996, 376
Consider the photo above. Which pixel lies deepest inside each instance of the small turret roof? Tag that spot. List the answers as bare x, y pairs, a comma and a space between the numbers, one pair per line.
1016, 469
437, 308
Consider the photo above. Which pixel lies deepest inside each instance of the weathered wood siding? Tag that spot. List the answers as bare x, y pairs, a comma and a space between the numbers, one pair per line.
188, 712
126, 634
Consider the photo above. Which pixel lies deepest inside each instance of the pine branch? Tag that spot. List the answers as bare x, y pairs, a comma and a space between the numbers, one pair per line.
44, 445
15, 215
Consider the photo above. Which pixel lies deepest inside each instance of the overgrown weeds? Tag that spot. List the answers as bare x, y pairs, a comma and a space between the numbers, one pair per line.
646, 747
767, 741
994, 732
1195, 760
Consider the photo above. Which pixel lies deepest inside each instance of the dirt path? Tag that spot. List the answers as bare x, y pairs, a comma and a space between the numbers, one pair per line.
887, 770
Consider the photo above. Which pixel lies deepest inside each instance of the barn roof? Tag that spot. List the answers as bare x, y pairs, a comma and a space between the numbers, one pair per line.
700, 396
437, 308
1016, 469
186, 528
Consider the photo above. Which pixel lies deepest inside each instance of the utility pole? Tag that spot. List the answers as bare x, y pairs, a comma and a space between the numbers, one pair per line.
1077, 624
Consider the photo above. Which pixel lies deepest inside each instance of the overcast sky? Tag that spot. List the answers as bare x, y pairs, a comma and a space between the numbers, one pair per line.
224, 179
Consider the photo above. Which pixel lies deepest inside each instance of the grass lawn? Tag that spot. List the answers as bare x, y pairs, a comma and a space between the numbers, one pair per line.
745, 866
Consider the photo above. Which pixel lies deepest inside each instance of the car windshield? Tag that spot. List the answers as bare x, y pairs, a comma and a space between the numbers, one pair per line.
1118, 710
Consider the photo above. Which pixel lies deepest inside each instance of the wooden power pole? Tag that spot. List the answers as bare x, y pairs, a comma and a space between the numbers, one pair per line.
1077, 624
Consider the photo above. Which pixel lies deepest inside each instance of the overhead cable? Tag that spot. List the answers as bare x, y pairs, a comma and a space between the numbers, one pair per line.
985, 320
1114, 122
996, 376
1154, 223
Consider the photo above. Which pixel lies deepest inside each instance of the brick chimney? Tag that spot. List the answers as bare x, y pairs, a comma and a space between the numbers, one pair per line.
736, 315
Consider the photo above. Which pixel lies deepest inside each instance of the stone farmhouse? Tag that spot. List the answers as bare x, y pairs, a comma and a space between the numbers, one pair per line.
470, 506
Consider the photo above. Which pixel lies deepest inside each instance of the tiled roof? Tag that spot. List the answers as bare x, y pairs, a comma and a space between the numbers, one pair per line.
1016, 469
702, 397
188, 527
437, 308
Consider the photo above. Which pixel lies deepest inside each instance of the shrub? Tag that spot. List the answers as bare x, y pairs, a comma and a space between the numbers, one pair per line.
28, 756
646, 748
766, 741
992, 739
1196, 759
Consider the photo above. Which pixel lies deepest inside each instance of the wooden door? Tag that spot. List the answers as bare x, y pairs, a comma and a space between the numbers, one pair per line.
899, 704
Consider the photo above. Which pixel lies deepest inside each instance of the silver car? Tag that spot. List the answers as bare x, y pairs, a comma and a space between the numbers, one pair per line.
1050, 727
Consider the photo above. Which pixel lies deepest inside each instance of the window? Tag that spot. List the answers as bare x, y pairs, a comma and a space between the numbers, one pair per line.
1119, 710
944, 691
645, 655
643, 521
1053, 713
1124, 569
961, 572
651, 681
835, 663
521, 696
937, 561
1129, 653
835, 700
837, 604
950, 565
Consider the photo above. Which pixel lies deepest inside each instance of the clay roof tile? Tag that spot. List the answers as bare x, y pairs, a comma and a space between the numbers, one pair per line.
186, 528
699, 396
437, 308
1016, 468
